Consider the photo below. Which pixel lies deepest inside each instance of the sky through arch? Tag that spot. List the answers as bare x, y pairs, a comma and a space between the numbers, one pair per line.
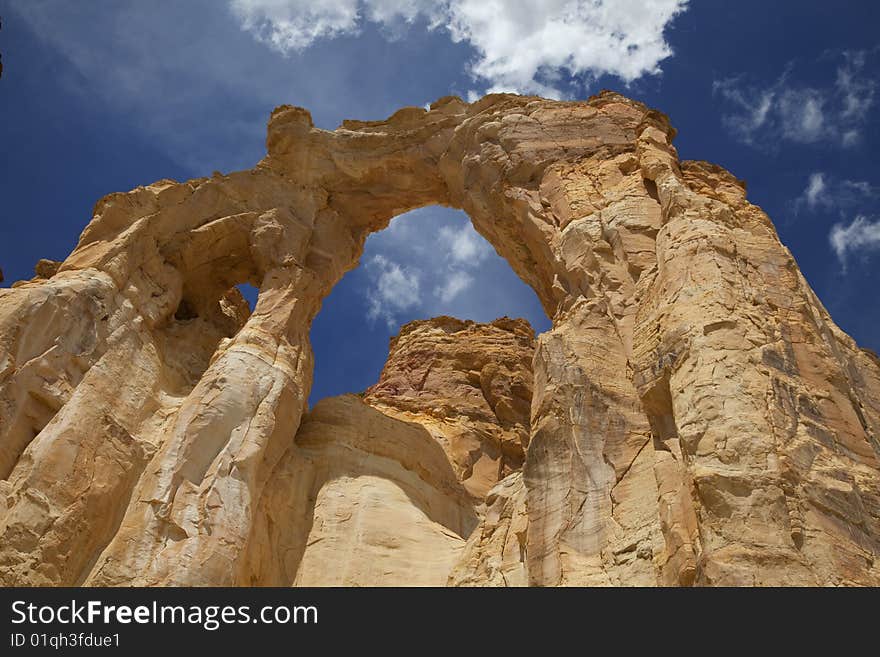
428, 262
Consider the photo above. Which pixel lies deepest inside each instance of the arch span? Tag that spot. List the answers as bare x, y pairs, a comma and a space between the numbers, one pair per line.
667, 290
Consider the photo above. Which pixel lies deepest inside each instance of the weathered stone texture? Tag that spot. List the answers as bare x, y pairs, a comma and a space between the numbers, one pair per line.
470, 385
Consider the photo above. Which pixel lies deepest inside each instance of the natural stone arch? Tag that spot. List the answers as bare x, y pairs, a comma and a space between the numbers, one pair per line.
642, 262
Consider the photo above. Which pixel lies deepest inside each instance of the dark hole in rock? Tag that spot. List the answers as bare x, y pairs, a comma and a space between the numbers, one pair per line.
185, 311
651, 186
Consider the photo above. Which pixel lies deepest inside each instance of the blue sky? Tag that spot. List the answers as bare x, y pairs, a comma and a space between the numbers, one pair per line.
104, 95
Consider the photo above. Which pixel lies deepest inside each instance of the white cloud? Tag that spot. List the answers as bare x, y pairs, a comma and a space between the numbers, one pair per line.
827, 192
521, 46
291, 25
803, 113
860, 235
814, 194
388, 11
858, 93
464, 246
784, 110
394, 289
462, 249
456, 283
850, 137
859, 187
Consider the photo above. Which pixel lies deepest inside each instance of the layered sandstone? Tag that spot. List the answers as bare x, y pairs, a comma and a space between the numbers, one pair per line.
470, 385
696, 416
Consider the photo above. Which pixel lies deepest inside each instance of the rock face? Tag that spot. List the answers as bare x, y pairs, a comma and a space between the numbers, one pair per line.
470, 385
359, 499
694, 415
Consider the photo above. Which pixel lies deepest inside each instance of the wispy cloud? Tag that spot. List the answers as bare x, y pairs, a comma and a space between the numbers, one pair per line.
861, 235
763, 115
291, 25
463, 250
463, 247
857, 92
826, 192
814, 194
394, 289
521, 46
456, 282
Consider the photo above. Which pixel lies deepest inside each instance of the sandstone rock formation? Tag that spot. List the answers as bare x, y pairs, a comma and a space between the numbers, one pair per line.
696, 417
470, 385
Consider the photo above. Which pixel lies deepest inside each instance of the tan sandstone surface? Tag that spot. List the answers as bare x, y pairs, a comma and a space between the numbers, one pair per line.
693, 416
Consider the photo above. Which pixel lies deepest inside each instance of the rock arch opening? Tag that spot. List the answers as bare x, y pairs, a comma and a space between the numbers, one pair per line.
427, 263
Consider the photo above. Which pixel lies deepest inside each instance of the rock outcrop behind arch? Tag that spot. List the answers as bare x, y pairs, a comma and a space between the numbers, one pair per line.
696, 416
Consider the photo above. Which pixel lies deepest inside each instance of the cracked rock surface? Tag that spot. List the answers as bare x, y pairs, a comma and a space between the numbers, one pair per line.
693, 416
